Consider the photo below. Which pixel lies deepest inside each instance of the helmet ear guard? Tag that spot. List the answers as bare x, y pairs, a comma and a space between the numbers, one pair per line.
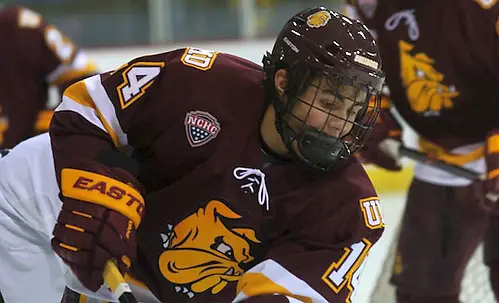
330, 47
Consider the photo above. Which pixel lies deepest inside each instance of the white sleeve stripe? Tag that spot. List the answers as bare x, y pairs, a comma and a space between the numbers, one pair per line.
105, 106
86, 112
241, 297
285, 279
79, 62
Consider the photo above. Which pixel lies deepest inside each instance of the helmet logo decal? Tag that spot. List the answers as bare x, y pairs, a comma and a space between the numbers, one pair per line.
200, 127
423, 83
318, 19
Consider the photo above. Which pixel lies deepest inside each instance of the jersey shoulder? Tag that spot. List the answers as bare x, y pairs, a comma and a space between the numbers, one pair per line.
232, 86
356, 194
354, 176
215, 68
16, 18
195, 65
187, 79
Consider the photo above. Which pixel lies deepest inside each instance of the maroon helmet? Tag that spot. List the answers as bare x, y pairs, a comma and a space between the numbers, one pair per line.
325, 49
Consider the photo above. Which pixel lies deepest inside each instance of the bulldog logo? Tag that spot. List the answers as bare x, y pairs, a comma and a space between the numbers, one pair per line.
203, 254
319, 19
422, 82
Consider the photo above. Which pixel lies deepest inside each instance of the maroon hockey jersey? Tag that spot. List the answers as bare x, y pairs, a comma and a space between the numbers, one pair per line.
441, 64
33, 55
223, 221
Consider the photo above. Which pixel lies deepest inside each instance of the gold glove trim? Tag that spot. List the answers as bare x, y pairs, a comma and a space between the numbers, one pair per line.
108, 192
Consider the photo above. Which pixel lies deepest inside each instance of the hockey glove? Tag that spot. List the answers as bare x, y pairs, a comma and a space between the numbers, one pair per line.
98, 222
386, 127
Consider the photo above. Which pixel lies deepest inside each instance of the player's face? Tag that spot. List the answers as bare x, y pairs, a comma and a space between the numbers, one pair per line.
328, 107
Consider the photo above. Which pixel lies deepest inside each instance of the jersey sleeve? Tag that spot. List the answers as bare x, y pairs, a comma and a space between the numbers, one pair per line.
129, 108
48, 51
97, 114
312, 265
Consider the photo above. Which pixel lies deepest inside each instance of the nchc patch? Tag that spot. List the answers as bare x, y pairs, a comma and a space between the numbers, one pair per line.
200, 127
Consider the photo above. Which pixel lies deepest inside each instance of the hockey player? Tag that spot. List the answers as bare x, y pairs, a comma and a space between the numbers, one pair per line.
441, 64
35, 56
246, 188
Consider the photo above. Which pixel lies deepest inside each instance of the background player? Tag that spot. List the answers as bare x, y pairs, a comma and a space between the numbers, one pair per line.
441, 65
34, 56
232, 206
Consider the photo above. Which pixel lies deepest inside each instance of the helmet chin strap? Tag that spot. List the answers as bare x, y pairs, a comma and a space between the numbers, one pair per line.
320, 150
314, 148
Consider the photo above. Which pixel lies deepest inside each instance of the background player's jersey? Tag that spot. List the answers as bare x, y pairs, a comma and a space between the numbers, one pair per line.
222, 219
441, 62
33, 55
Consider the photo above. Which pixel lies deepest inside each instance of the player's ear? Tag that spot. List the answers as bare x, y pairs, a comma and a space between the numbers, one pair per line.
281, 82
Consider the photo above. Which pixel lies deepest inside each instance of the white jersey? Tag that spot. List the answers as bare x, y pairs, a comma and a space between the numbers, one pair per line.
29, 207
28, 183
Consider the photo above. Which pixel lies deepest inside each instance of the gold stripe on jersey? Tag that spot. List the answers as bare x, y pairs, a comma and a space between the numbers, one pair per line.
268, 278
77, 73
98, 189
131, 280
43, 121
78, 93
493, 144
444, 155
255, 284
493, 173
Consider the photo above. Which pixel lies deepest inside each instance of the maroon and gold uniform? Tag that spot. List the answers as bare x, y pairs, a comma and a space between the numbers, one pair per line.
441, 64
33, 55
223, 221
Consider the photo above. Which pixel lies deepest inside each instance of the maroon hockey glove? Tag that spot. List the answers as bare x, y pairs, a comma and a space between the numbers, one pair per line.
97, 223
386, 127
488, 190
